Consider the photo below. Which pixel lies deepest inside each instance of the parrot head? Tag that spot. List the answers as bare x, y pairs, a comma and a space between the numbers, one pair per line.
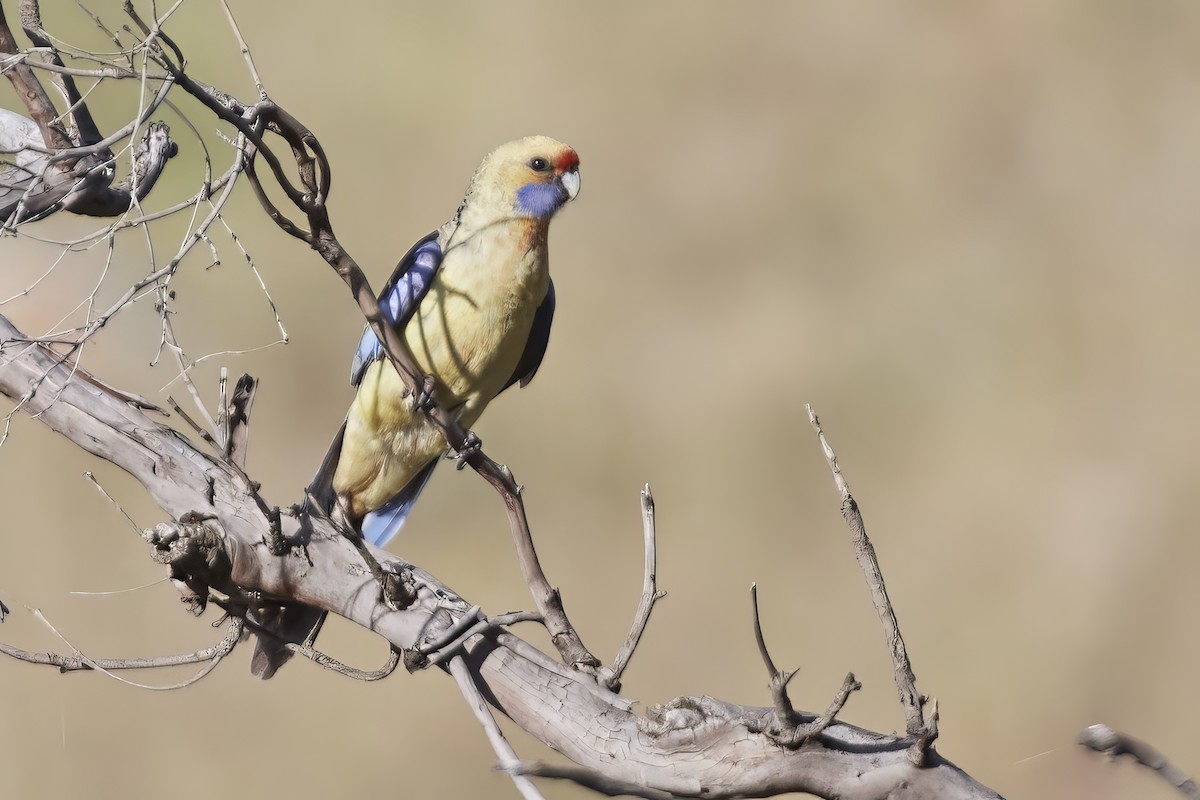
530, 178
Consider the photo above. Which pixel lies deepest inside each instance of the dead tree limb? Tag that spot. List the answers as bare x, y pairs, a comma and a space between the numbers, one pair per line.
1103, 739
684, 748
923, 729
226, 538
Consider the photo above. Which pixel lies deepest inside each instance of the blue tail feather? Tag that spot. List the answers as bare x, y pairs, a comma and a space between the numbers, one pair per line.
381, 525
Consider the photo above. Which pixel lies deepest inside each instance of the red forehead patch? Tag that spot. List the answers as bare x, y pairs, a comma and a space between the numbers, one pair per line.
567, 161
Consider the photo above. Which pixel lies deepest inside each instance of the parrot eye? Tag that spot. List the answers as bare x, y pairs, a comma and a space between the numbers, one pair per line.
539, 165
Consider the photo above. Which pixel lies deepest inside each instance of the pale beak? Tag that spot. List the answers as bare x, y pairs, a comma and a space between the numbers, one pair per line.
570, 182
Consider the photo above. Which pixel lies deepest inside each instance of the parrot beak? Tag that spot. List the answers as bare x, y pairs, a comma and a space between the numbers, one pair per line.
570, 183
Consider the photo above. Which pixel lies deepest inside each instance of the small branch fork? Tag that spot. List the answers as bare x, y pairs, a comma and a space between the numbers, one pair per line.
923, 729
785, 726
1103, 739
77, 660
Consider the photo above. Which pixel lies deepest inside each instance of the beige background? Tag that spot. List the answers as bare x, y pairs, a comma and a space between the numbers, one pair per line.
964, 232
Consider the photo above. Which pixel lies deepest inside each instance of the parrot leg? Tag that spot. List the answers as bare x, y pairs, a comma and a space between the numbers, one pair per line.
471, 445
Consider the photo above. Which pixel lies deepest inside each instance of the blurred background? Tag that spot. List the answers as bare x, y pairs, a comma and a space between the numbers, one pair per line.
964, 232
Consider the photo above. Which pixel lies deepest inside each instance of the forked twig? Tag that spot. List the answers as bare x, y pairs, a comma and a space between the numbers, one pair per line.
787, 729
211, 656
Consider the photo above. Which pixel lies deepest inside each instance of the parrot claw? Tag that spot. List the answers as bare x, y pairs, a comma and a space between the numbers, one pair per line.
471, 445
424, 399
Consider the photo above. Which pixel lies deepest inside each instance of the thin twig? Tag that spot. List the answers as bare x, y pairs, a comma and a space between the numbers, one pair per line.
245, 48
650, 592
136, 528
78, 661
785, 712
591, 779
324, 660
483, 714
448, 647
1104, 739
864, 551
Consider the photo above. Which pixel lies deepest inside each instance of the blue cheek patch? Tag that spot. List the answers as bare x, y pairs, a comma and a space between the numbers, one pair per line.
540, 199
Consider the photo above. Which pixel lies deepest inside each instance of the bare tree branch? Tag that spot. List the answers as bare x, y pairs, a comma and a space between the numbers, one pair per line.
508, 757
786, 726
650, 593
1103, 739
684, 748
78, 661
917, 726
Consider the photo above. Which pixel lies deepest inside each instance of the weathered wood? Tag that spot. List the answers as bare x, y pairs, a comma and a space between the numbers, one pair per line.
689, 747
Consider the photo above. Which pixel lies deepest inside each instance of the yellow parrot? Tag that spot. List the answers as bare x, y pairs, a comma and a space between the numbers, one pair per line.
484, 302
479, 301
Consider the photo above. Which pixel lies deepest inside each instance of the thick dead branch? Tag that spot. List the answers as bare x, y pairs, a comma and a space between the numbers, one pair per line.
689, 747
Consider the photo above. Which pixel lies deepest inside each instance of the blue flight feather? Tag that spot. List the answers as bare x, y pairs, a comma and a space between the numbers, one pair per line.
403, 292
400, 297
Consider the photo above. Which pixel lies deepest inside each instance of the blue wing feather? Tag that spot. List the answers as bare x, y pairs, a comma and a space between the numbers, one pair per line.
401, 295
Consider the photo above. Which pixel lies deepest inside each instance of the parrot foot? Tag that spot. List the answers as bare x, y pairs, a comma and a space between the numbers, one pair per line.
424, 399
471, 445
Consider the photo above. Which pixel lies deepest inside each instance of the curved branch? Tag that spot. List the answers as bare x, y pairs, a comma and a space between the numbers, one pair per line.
78, 661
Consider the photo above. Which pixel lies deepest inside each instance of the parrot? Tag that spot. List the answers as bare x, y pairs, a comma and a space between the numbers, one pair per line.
479, 302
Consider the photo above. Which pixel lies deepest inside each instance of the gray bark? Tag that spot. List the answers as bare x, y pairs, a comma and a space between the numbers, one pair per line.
692, 746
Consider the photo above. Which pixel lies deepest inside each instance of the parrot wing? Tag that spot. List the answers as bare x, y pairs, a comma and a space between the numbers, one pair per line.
535, 345
401, 296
